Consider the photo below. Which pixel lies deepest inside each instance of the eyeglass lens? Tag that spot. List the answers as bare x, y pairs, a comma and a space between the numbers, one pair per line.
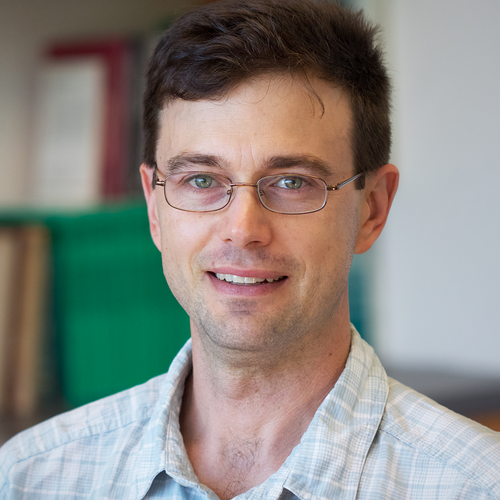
292, 193
197, 191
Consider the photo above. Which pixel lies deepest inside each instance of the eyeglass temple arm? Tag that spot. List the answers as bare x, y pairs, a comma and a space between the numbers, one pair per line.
340, 185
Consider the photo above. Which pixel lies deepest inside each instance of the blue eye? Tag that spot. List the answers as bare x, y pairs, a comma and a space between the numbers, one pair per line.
290, 183
201, 181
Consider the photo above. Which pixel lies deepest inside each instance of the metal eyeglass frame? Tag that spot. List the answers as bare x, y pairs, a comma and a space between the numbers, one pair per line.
231, 191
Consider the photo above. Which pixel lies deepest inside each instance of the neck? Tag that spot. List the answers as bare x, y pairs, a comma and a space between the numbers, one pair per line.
242, 415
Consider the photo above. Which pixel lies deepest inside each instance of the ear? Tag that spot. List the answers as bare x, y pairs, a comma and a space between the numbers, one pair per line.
378, 193
150, 195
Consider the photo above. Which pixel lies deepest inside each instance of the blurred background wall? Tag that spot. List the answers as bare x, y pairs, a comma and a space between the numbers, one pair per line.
437, 281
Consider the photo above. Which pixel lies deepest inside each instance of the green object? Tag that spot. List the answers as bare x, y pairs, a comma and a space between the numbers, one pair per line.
118, 323
358, 297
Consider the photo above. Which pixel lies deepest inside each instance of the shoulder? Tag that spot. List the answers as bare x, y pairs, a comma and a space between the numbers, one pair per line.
108, 449
99, 420
441, 440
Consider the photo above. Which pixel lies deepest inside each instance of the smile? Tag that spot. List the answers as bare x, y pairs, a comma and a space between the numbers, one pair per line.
246, 280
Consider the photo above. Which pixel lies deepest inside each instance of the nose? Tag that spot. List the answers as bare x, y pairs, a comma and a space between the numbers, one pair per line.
246, 222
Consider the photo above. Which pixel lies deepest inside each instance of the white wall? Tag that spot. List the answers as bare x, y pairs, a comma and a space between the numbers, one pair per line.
26, 26
437, 286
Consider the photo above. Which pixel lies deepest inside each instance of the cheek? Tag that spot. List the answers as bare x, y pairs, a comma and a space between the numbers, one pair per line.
182, 238
329, 247
177, 250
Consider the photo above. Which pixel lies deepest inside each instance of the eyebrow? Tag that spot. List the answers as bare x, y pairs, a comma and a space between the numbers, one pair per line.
183, 160
313, 164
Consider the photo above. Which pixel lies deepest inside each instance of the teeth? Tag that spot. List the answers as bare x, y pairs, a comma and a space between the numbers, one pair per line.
244, 280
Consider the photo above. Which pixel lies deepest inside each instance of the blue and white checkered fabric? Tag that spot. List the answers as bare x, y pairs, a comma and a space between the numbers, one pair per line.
372, 438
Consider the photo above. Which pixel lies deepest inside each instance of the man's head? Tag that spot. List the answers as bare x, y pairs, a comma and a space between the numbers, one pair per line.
211, 51
272, 106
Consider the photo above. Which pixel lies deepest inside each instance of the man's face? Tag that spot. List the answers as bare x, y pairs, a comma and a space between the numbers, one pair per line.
245, 134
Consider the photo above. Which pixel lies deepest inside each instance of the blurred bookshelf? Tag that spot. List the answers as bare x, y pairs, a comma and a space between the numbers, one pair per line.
88, 314
84, 309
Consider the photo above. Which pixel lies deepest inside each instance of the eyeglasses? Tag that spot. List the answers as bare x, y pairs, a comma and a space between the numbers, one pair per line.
284, 193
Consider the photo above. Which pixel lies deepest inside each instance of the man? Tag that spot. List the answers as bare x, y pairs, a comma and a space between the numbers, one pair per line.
266, 168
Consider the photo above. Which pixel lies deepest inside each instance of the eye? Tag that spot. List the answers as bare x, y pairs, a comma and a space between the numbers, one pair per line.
290, 182
201, 181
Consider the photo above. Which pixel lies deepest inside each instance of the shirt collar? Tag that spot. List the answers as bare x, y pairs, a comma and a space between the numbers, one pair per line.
327, 463
162, 447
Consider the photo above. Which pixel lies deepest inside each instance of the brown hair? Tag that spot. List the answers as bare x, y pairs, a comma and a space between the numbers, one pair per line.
208, 52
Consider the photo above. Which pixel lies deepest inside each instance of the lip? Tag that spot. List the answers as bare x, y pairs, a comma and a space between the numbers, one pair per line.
254, 290
252, 273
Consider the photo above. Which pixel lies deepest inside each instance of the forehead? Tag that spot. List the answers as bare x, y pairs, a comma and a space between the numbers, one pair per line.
266, 118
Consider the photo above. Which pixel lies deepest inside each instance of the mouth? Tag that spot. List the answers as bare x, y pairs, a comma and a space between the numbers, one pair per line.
246, 280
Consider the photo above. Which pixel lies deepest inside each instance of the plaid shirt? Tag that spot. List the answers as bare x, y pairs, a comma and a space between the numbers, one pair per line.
371, 438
